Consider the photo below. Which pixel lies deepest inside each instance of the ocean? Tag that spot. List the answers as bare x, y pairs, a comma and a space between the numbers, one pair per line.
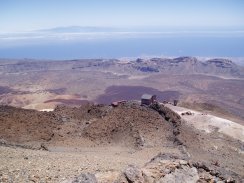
124, 46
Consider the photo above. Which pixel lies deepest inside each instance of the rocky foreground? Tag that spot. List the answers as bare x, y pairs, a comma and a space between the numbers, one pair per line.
100, 143
163, 168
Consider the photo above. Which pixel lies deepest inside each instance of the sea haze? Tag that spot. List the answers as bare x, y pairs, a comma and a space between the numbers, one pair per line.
91, 42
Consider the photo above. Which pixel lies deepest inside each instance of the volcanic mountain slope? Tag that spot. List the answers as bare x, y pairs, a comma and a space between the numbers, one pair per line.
139, 125
128, 126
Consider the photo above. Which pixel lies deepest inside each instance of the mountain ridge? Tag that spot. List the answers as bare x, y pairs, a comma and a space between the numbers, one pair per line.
219, 67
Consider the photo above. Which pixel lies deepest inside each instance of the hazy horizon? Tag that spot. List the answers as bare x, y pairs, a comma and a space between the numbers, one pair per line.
61, 29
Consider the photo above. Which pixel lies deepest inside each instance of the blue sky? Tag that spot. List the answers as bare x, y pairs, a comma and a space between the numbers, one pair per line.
120, 28
27, 15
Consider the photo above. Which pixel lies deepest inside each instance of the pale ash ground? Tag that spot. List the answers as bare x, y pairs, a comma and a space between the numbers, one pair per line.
209, 123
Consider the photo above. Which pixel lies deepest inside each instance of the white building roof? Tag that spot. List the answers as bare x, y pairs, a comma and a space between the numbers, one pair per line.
146, 96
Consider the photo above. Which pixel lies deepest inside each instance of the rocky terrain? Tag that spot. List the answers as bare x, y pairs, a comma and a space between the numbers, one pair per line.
101, 143
162, 168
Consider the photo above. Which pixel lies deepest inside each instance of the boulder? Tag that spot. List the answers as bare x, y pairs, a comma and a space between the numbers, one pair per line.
133, 174
83, 178
184, 175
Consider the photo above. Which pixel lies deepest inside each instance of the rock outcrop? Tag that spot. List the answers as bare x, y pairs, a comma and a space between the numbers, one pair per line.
166, 168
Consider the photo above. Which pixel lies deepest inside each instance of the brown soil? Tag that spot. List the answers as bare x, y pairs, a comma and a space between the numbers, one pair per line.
21, 126
132, 125
129, 125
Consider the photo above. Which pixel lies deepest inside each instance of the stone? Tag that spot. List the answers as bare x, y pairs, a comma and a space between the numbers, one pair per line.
189, 175
86, 178
183, 162
83, 178
133, 174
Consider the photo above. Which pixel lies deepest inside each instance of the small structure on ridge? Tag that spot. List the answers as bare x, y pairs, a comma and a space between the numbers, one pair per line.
147, 99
